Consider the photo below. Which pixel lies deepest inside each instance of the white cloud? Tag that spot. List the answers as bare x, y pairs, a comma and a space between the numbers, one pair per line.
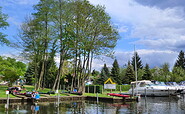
158, 31
150, 24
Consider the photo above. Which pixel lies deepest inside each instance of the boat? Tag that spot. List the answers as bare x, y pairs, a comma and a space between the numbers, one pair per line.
118, 95
151, 88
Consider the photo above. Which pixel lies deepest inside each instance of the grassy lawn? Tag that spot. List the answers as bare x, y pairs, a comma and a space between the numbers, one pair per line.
45, 90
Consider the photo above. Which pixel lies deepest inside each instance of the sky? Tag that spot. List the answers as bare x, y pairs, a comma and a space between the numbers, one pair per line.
155, 27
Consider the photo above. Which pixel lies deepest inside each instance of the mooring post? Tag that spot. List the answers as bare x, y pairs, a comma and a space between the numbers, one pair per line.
7, 93
97, 97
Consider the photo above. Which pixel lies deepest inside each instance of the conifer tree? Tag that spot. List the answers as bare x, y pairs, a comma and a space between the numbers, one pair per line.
180, 62
129, 75
115, 72
104, 75
138, 61
147, 74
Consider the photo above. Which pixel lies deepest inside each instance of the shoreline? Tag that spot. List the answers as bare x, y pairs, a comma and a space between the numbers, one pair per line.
65, 98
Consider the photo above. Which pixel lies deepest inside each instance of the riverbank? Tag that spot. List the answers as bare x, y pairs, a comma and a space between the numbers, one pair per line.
67, 98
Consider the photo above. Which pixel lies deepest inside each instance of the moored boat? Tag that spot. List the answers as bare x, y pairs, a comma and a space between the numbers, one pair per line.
148, 88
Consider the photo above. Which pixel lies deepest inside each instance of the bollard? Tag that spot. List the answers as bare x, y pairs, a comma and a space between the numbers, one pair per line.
7, 93
97, 97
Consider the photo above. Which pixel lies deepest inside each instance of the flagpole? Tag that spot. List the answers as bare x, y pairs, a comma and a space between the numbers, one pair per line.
135, 68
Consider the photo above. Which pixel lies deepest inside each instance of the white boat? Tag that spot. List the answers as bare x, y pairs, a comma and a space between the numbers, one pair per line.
148, 88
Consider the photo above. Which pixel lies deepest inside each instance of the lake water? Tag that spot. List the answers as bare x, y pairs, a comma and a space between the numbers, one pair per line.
149, 105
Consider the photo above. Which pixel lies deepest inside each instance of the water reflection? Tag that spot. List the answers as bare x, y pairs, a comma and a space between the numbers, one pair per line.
155, 105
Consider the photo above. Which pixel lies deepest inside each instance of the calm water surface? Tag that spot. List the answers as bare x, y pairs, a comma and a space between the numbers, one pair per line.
157, 105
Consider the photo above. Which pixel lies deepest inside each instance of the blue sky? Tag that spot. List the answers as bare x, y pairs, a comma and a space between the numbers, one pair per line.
155, 27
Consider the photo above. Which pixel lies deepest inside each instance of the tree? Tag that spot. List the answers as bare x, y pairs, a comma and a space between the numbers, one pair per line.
3, 25
29, 75
115, 72
177, 74
180, 62
11, 76
165, 72
104, 75
129, 75
138, 61
147, 74
11, 69
94, 36
79, 31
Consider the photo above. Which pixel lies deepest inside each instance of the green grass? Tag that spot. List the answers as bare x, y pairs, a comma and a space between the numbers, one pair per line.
45, 90
30, 88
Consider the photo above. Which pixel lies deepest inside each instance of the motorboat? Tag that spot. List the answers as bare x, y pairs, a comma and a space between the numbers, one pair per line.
149, 88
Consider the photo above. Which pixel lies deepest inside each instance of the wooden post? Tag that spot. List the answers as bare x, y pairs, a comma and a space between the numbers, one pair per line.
97, 97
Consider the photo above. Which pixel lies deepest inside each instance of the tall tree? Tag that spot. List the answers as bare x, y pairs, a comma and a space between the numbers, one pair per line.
129, 74
180, 62
147, 74
138, 61
3, 25
94, 36
115, 72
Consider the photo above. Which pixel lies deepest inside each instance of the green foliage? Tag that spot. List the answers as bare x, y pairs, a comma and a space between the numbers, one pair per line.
104, 75
10, 76
138, 61
147, 74
3, 25
115, 72
129, 74
177, 74
11, 69
140, 74
166, 72
180, 62
29, 75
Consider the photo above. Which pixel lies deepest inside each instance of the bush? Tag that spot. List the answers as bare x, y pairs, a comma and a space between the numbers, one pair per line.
93, 89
